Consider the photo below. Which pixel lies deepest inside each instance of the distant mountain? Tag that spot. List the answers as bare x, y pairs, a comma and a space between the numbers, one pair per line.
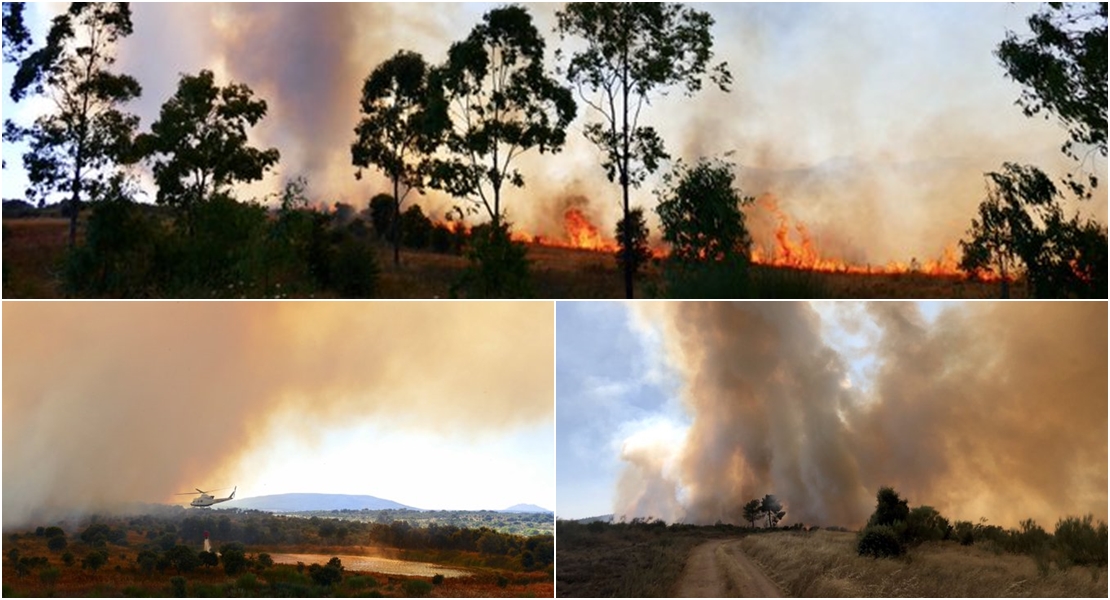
304, 502
525, 508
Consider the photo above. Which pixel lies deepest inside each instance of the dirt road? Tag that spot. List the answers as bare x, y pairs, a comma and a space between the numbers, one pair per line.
718, 569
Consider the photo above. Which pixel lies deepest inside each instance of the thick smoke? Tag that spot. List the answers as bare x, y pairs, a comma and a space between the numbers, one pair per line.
992, 410
876, 140
112, 402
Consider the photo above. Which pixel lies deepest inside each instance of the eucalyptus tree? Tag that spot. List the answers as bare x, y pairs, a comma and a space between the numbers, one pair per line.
635, 50
198, 146
76, 148
498, 101
397, 134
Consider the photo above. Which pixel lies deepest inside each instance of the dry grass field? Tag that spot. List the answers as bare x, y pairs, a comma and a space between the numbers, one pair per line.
825, 564
35, 248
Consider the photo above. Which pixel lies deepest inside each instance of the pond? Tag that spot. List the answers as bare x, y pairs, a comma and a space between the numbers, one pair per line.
389, 566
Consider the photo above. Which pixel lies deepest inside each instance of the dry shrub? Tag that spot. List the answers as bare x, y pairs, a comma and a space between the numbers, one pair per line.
825, 564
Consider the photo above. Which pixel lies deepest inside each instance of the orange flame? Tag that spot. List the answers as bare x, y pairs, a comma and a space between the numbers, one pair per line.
794, 248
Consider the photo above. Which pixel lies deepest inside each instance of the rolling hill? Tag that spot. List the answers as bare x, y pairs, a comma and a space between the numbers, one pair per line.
307, 502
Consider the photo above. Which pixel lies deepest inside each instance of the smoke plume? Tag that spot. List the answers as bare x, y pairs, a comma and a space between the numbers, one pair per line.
113, 402
992, 410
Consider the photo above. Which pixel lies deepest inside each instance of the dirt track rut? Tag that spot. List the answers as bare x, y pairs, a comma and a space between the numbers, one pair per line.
718, 569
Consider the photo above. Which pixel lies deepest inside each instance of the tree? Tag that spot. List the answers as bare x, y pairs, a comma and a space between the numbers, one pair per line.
633, 228
1021, 224
198, 146
699, 209
772, 508
397, 134
183, 558
382, 210
1062, 69
753, 510
497, 102
234, 557
94, 560
633, 51
75, 148
57, 543
889, 508
208, 559
327, 575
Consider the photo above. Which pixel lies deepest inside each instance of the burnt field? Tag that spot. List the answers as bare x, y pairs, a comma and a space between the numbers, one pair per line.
35, 257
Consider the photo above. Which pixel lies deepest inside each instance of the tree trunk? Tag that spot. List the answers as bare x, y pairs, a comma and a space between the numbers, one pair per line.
627, 233
396, 219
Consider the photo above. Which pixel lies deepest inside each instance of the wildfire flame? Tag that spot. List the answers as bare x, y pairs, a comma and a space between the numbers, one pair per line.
793, 246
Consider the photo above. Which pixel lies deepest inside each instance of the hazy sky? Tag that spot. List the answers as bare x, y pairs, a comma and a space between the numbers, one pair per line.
870, 123
437, 406
684, 411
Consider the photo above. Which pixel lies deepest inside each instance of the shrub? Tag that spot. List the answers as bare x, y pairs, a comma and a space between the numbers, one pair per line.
247, 581
417, 587
327, 575
359, 582
879, 541
353, 270
437, 579
416, 229
265, 560
49, 575
499, 267
68, 559
57, 544
1081, 541
234, 557
177, 583
889, 508
924, 524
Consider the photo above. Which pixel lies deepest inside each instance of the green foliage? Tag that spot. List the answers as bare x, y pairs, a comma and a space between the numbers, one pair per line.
889, 508
247, 582
53, 532
73, 150
1082, 541
56, 543
327, 575
1062, 69
360, 582
352, 270
499, 267
416, 229
1021, 224
633, 51
120, 254
49, 576
724, 279
381, 215
699, 209
68, 559
924, 524
437, 579
147, 560
879, 541
234, 557
198, 146
634, 252
397, 134
209, 559
771, 508
94, 560
265, 560
417, 587
495, 101
753, 510
183, 558
177, 583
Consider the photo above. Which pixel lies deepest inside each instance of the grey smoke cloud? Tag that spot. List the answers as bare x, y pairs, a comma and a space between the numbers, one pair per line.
113, 402
994, 410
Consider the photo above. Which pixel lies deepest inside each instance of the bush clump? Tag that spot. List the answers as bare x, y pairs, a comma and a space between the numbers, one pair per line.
879, 541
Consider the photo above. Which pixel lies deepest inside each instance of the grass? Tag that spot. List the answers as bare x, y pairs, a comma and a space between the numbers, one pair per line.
825, 564
621, 560
35, 248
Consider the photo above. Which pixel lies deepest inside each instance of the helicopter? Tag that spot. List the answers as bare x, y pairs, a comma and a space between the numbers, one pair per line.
206, 499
